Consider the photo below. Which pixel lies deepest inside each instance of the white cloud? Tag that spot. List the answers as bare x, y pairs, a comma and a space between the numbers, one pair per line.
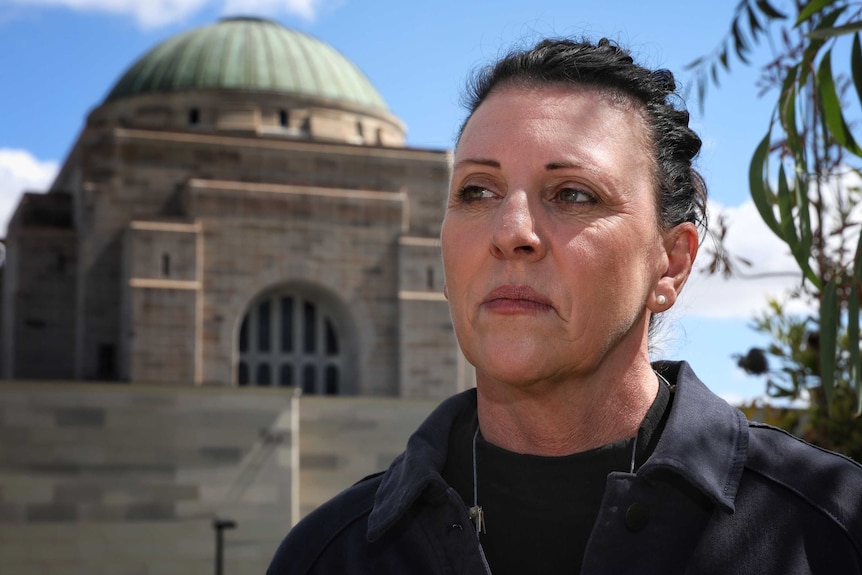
20, 171
306, 9
776, 272
148, 13
773, 271
155, 13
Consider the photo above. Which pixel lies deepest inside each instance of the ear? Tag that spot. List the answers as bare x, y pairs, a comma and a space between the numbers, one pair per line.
680, 245
445, 290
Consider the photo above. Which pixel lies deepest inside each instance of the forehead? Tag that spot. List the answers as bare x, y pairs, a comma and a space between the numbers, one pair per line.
535, 96
565, 122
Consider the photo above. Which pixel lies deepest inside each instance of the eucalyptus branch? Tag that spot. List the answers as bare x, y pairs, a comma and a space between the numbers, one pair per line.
796, 173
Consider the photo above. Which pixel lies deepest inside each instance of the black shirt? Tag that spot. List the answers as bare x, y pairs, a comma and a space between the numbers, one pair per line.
539, 511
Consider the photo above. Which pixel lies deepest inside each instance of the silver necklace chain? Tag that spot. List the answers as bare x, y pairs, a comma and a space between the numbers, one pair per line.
475, 513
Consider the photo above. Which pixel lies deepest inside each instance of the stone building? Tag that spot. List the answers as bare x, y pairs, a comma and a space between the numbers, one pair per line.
240, 210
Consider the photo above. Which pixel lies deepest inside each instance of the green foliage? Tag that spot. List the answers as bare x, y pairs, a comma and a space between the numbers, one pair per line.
838, 429
794, 352
803, 178
792, 372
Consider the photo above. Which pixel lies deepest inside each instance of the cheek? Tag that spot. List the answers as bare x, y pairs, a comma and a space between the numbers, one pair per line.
458, 246
450, 256
612, 261
452, 270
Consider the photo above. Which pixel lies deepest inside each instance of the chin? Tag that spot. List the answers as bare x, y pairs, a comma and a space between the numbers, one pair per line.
518, 366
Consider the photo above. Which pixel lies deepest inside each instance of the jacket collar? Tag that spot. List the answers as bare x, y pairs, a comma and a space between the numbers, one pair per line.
705, 441
417, 469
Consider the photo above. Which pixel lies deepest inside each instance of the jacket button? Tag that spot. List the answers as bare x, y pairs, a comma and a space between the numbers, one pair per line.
637, 517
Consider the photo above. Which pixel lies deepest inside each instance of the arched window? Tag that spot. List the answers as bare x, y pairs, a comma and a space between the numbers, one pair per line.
287, 339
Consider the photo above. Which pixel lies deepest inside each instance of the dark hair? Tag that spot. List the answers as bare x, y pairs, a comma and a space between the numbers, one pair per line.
681, 191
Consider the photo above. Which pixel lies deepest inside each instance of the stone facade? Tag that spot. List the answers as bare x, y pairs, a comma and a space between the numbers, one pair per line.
177, 215
113, 480
39, 290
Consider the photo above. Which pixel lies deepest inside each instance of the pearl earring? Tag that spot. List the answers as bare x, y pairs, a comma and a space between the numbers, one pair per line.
661, 299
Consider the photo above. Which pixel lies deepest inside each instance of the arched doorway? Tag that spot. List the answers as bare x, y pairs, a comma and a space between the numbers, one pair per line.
290, 338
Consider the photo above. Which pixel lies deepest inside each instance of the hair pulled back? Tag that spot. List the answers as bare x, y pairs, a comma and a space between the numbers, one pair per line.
681, 191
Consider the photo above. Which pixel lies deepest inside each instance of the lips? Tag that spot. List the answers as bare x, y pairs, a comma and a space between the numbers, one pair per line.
516, 299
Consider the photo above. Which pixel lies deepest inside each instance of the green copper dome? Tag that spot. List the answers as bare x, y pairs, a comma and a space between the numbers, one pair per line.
248, 54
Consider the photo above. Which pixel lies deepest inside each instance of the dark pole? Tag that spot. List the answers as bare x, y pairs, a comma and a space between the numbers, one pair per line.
219, 525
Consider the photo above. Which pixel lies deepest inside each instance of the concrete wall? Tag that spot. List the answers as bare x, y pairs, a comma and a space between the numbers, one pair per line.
343, 440
127, 479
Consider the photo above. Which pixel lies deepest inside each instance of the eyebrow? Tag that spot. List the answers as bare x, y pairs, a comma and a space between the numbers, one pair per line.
495, 164
477, 162
564, 165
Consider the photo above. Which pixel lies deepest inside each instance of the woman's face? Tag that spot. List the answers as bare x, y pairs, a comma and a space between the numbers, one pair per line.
551, 247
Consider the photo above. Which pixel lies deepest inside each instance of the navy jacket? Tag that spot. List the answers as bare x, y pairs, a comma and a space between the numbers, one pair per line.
719, 494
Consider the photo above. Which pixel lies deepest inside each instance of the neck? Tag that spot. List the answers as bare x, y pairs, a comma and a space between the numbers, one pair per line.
567, 416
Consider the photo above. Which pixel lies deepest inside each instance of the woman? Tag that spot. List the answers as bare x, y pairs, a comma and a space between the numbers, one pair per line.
572, 221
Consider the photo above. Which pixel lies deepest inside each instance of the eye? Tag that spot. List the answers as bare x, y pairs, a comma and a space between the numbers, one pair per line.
575, 196
473, 193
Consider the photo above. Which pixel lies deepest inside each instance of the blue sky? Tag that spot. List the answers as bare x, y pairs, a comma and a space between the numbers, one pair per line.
59, 58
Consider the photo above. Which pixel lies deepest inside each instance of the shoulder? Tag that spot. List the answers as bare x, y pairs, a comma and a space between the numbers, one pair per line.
823, 481
308, 540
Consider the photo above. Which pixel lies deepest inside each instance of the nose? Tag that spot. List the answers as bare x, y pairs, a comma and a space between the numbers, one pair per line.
515, 229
